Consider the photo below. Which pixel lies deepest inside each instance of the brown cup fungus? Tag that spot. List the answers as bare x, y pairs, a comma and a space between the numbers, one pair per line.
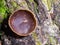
22, 22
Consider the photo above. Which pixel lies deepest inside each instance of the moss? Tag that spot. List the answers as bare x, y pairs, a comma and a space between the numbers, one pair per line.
38, 43
35, 7
14, 4
3, 10
52, 40
31, 0
34, 35
23, 2
48, 4
18, 7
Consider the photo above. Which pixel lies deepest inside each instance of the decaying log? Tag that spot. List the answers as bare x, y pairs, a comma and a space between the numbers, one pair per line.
45, 31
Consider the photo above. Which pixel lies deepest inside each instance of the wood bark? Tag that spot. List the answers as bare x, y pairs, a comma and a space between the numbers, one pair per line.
39, 36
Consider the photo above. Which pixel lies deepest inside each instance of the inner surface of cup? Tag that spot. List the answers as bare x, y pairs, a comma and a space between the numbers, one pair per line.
22, 22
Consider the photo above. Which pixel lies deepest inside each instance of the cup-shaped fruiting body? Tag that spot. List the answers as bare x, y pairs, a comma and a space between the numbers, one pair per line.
22, 22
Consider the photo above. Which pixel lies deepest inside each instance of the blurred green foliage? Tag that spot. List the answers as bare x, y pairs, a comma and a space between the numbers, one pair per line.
3, 10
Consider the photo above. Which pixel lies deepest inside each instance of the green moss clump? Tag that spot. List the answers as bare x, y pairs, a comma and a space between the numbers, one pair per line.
3, 10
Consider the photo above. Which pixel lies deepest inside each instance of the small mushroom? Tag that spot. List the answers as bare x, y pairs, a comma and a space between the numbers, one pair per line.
22, 22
